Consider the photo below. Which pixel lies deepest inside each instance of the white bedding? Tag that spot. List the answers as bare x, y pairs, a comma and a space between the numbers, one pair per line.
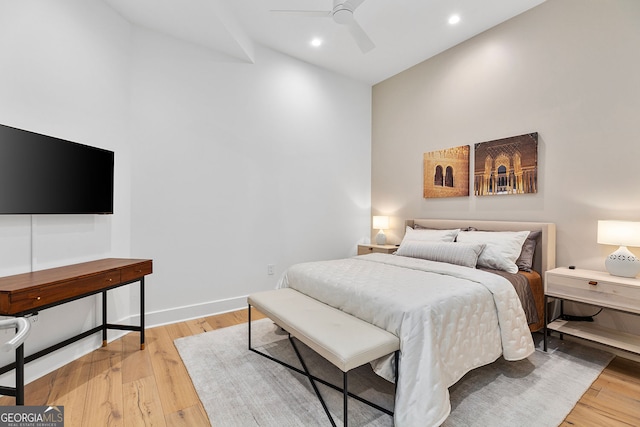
450, 319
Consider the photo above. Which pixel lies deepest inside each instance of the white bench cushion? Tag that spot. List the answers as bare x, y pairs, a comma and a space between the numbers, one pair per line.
342, 339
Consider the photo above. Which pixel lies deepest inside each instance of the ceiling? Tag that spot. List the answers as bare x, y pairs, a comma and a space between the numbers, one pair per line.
405, 32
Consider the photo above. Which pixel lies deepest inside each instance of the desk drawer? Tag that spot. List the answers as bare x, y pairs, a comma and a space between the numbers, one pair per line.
595, 291
135, 271
34, 298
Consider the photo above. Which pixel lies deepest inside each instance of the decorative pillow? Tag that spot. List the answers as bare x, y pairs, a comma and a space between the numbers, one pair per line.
424, 235
502, 247
465, 254
525, 260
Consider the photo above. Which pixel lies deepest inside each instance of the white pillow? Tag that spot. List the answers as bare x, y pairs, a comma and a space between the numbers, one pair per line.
465, 254
423, 235
502, 247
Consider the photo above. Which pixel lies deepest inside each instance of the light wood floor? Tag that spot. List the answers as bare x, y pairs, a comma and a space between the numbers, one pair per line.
121, 385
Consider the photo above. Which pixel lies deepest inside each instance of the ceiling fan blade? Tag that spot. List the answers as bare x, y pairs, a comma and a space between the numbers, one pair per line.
362, 39
309, 13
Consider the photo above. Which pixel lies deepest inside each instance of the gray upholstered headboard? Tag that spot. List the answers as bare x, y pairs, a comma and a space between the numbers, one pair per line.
545, 256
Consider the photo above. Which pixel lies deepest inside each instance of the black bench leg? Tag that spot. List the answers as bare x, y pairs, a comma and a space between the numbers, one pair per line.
249, 323
397, 360
312, 381
345, 397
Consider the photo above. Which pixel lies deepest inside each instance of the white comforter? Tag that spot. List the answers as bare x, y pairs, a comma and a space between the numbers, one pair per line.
449, 319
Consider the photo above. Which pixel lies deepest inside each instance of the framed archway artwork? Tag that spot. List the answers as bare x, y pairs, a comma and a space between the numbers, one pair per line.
506, 166
446, 172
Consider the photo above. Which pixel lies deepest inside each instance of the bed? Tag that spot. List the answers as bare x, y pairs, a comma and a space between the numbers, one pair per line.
450, 317
544, 257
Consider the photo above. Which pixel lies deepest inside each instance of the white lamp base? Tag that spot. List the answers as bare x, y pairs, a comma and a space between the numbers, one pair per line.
381, 239
623, 263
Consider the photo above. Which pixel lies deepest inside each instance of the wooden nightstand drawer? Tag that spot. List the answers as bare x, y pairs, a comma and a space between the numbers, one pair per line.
382, 249
595, 287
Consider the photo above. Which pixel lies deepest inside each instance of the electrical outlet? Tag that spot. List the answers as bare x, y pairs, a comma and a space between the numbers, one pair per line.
271, 269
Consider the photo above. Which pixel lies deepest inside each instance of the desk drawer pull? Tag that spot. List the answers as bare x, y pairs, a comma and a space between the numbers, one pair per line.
37, 298
593, 282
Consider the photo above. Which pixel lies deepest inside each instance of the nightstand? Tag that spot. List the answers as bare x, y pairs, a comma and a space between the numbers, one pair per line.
381, 249
596, 288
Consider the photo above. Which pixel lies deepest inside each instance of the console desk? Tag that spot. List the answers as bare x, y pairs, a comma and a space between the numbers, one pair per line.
26, 294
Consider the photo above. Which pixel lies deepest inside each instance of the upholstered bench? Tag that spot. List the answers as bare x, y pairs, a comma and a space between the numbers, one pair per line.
344, 340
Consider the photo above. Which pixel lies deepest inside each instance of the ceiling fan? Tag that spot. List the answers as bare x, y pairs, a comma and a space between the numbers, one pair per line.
342, 13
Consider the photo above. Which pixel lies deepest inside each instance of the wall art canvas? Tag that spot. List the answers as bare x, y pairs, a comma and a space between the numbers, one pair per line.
446, 172
506, 166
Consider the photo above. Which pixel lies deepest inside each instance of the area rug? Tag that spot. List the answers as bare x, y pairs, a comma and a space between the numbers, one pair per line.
240, 388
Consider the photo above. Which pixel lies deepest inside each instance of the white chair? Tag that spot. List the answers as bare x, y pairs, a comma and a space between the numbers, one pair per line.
22, 327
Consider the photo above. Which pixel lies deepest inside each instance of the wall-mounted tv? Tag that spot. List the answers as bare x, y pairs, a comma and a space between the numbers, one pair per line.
41, 174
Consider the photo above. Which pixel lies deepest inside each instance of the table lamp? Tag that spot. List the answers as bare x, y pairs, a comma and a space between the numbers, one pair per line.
623, 233
381, 223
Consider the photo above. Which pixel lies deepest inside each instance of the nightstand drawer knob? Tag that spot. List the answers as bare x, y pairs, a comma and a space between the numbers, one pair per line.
593, 282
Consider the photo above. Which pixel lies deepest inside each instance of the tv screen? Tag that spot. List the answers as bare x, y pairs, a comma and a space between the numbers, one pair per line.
41, 174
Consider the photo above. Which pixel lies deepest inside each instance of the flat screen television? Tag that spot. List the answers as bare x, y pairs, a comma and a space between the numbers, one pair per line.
41, 174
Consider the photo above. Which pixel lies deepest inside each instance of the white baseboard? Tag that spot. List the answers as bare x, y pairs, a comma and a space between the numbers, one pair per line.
65, 355
188, 312
55, 360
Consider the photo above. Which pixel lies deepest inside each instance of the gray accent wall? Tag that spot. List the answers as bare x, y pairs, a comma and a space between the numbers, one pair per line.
567, 69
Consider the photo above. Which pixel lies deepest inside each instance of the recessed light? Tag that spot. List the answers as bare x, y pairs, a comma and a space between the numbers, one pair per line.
454, 19
316, 42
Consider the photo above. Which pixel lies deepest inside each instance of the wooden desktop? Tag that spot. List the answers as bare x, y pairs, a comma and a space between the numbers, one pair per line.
26, 294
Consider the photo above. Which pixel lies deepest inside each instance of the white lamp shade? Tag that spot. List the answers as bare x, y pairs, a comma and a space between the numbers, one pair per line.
381, 222
618, 233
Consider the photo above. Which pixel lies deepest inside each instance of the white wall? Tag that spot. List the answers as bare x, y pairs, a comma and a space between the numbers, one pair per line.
222, 167
567, 69
238, 166
64, 72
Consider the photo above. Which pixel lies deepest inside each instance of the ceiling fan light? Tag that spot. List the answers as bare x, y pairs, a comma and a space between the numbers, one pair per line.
343, 16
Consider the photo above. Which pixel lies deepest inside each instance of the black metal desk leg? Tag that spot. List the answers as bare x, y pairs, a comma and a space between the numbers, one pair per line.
20, 375
104, 318
142, 313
